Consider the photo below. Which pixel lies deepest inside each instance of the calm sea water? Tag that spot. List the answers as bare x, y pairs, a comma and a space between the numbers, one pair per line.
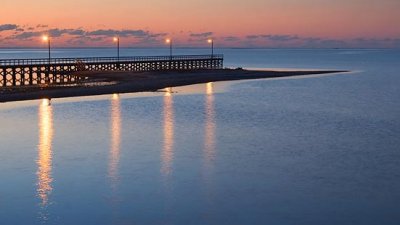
320, 150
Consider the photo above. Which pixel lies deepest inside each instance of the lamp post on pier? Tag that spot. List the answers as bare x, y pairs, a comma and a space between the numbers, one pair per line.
211, 41
116, 39
46, 38
169, 41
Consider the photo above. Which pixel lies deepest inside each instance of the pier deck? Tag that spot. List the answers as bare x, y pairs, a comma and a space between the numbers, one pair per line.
21, 72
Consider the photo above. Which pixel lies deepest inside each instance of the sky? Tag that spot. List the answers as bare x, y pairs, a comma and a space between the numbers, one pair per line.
189, 23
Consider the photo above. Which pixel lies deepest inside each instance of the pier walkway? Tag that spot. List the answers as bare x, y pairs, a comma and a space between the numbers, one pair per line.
21, 72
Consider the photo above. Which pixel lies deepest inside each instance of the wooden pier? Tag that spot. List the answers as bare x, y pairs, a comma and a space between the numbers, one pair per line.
22, 72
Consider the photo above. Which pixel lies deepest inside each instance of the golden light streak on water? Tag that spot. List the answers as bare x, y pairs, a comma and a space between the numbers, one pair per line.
168, 147
115, 133
209, 130
46, 102
44, 161
168, 92
115, 96
210, 88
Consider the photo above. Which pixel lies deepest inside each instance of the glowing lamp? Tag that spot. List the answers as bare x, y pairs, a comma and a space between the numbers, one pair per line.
45, 38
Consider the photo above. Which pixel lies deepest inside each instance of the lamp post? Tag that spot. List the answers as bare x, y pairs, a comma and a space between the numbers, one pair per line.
169, 41
46, 38
211, 41
116, 39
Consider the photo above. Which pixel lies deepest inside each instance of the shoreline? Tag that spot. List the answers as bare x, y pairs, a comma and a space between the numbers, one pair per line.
130, 82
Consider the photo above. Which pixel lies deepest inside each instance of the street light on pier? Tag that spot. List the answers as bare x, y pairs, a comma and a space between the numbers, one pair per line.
116, 39
211, 41
169, 41
46, 38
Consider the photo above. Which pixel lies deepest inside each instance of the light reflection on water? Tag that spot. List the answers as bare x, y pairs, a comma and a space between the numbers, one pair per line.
44, 160
115, 134
209, 130
209, 151
168, 146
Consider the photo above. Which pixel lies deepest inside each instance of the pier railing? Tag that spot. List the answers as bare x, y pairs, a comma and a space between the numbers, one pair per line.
55, 61
20, 72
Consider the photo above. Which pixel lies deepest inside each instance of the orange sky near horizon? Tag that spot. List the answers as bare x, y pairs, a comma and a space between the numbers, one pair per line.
339, 19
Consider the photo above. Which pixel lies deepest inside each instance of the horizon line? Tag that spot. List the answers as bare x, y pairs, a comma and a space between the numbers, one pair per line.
184, 47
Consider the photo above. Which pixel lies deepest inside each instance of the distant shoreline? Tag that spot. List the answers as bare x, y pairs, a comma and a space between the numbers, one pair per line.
110, 82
